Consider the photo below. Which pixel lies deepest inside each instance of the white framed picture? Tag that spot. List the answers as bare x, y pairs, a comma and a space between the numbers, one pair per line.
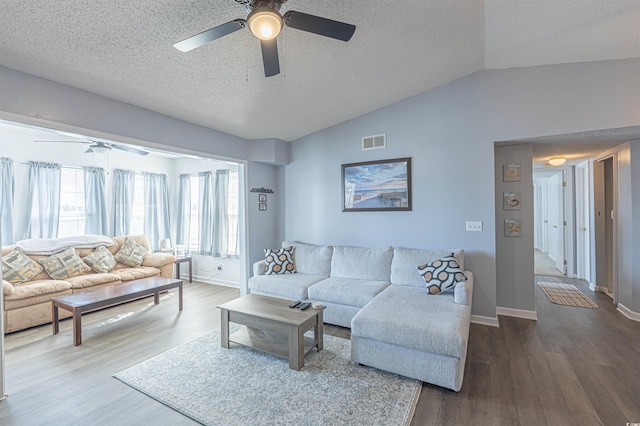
511, 172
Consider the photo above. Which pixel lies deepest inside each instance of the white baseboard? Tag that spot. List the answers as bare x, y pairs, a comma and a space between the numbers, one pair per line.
517, 313
208, 280
632, 315
593, 287
482, 320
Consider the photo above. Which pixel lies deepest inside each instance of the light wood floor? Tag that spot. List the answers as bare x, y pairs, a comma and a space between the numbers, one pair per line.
574, 366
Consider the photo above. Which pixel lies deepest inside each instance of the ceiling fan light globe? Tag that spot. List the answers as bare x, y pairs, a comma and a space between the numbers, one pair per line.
100, 149
265, 23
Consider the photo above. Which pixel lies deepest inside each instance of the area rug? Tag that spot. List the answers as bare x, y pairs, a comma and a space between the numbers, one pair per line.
566, 294
242, 386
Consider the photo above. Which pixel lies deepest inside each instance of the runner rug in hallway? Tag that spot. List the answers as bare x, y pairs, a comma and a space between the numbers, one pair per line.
566, 294
242, 386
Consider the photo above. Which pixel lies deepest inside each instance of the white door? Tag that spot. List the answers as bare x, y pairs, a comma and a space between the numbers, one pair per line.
556, 221
583, 237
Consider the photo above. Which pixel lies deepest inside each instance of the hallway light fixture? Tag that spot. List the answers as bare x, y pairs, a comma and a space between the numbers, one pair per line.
557, 161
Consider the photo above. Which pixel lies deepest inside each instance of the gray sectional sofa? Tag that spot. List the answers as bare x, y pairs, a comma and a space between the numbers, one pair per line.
396, 325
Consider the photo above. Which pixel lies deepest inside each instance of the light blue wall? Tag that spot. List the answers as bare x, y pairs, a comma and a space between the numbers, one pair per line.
635, 197
450, 132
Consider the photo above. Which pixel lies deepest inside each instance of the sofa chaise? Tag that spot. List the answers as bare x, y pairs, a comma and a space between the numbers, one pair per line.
28, 303
396, 324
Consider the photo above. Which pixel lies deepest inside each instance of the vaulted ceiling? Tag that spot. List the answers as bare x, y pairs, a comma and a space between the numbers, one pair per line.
123, 50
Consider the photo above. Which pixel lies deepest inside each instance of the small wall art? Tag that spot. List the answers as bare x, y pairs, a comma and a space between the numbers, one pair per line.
511, 172
262, 207
262, 198
512, 228
511, 200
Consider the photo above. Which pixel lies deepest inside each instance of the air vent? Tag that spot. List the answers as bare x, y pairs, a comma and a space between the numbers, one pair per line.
374, 142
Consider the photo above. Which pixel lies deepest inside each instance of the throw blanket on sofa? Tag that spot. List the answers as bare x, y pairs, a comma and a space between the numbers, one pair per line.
49, 246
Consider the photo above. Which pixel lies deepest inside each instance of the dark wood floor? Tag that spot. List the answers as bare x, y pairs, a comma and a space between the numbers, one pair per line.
574, 366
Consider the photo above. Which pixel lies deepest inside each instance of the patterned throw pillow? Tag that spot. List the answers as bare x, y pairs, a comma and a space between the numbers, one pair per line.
64, 265
101, 260
442, 274
17, 267
279, 261
131, 253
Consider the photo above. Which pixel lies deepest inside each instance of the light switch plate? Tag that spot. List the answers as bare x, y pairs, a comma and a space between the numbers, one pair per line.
474, 226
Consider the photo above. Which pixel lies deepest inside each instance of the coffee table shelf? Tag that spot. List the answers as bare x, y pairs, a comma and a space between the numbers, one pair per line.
273, 343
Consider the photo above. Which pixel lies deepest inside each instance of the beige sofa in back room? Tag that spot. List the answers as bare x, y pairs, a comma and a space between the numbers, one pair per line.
28, 304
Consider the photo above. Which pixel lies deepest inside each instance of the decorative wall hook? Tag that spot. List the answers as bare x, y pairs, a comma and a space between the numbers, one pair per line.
262, 190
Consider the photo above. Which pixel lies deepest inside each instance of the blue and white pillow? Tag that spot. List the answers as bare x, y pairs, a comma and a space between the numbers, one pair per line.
442, 274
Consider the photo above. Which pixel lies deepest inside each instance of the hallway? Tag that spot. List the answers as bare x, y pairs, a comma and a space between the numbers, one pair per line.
543, 265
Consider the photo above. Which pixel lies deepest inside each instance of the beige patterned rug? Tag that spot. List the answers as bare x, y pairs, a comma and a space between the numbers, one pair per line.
241, 386
566, 294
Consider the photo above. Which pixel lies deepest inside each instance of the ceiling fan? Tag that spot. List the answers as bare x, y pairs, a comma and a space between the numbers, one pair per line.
99, 147
265, 22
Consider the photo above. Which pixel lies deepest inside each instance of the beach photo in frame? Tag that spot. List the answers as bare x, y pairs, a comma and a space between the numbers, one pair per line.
511, 172
511, 200
383, 185
512, 228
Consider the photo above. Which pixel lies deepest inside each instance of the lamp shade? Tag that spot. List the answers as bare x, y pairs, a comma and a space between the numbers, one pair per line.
557, 161
265, 23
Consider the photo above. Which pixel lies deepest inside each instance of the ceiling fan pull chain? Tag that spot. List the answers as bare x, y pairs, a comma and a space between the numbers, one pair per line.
284, 54
246, 63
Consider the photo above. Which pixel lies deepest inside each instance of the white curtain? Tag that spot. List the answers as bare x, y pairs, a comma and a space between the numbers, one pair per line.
156, 205
43, 202
184, 210
205, 214
221, 215
123, 184
7, 233
95, 201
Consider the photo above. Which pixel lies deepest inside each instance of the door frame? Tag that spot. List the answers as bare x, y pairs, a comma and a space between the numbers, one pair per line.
583, 228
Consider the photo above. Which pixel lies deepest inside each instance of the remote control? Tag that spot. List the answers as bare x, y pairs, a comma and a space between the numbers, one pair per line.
296, 303
304, 306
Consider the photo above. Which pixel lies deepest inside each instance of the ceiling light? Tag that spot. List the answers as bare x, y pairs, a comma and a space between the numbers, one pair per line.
265, 23
557, 161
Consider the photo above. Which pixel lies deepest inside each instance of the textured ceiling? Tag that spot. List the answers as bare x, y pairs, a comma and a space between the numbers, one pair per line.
122, 49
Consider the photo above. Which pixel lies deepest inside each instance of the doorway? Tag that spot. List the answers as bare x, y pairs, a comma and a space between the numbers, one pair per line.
550, 223
605, 189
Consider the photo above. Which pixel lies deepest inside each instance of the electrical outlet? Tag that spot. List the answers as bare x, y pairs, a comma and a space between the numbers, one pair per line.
219, 267
474, 226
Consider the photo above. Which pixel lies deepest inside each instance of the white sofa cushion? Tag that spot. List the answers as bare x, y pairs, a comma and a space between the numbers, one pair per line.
346, 291
372, 264
288, 286
406, 261
310, 258
409, 317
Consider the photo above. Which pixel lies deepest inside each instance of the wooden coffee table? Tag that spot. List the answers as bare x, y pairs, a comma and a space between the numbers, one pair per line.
90, 300
272, 327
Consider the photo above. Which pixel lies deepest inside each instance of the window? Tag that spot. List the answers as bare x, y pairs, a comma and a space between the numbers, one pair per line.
232, 211
194, 229
71, 202
137, 212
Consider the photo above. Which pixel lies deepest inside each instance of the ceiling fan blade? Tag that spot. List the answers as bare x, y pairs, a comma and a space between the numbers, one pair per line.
270, 57
130, 149
63, 141
209, 35
317, 25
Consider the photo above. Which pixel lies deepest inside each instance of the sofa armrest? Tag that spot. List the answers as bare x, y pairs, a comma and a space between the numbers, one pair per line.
463, 291
7, 288
259, 268
158, 260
